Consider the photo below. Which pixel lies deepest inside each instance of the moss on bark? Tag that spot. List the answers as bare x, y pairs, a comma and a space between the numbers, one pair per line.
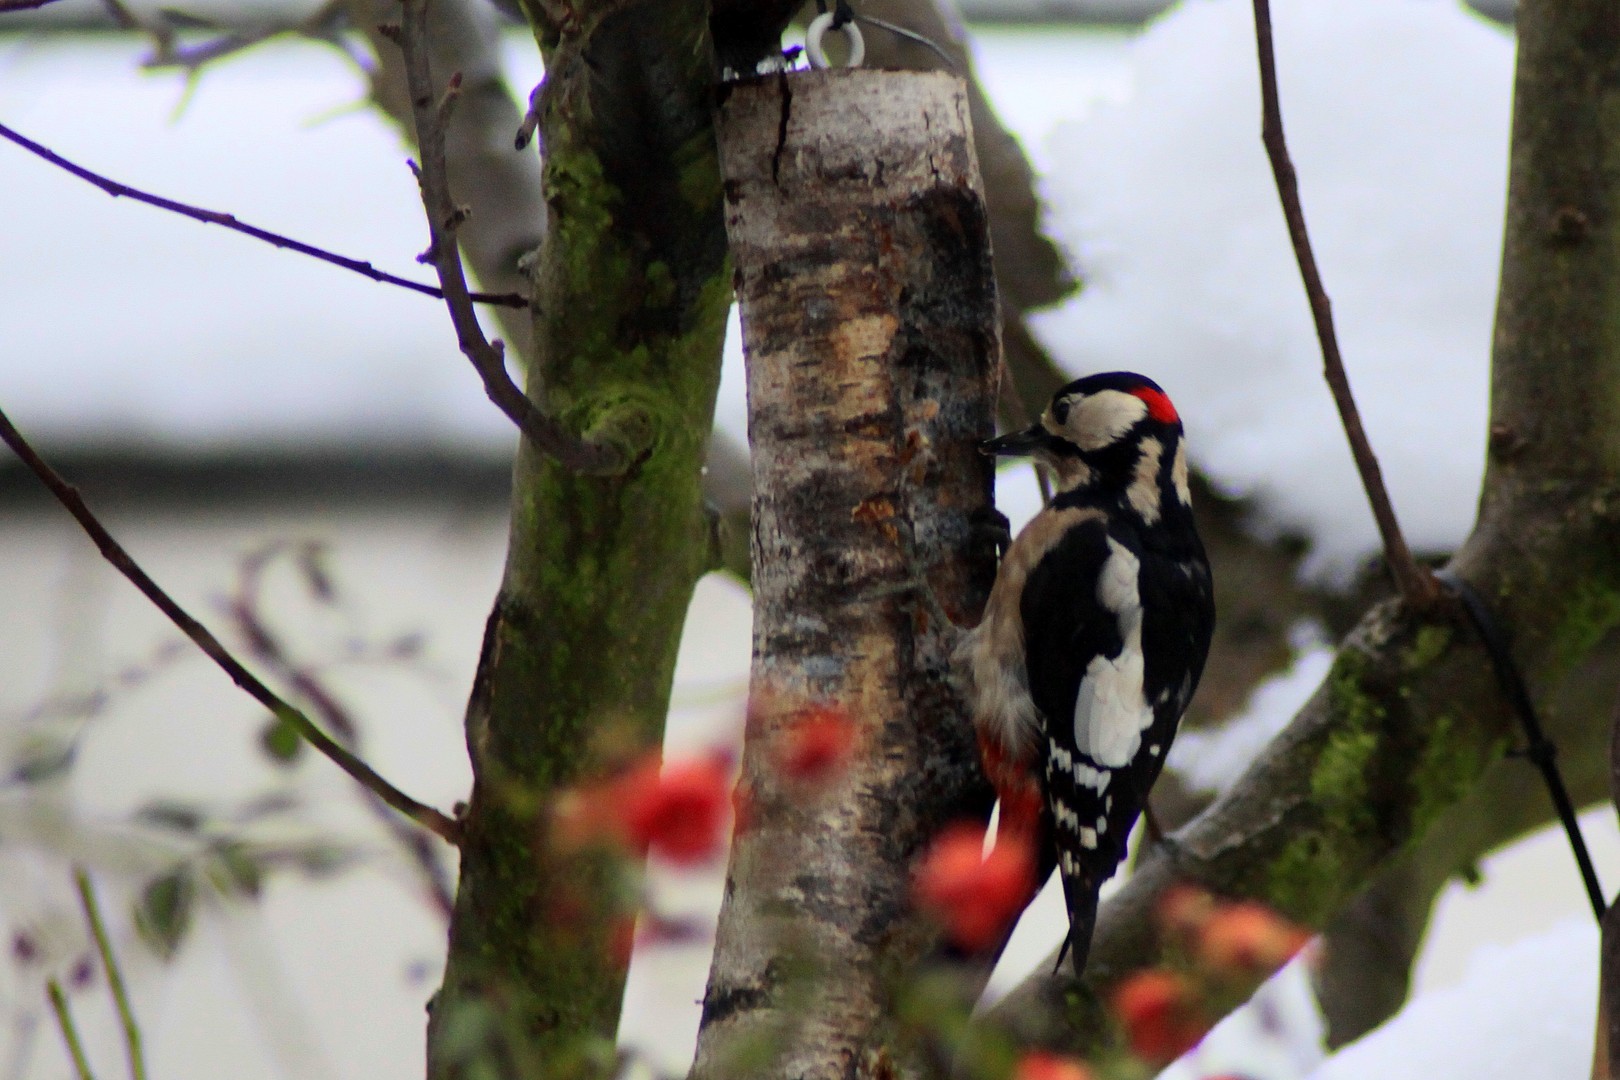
632, 289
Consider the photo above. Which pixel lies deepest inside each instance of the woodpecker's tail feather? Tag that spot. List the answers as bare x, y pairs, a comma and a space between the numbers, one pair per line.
1082, 901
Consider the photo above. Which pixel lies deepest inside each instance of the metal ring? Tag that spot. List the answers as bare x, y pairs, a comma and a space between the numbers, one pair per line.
818, 27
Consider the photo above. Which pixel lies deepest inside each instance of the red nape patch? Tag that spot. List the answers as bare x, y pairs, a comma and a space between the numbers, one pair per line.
1159, 406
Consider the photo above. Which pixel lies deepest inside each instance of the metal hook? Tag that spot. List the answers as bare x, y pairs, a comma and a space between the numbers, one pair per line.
819, 26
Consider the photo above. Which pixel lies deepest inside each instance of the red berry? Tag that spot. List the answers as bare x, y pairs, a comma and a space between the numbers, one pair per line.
1248, 938
1160, 1015
975, 896
680, 813
1040, 1065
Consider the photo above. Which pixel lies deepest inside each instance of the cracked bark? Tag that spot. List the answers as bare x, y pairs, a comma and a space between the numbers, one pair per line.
1410, 728
869, 317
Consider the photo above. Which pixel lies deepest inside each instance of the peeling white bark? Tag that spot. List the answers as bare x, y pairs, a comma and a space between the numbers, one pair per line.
858, 230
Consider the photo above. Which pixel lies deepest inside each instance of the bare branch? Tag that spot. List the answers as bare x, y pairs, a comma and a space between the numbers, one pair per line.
325, 24
266, 647
214, 217
1415, 584
488, 358
114, 552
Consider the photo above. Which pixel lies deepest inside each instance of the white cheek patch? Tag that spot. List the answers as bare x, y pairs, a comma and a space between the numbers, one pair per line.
1098, 419
1178, 474
1110, 711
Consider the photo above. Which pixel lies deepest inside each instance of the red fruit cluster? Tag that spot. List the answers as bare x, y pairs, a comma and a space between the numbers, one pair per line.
1231, 945
1160, 1013
1040, 1065
975, 896
1229, 939
677, 812
1249, 938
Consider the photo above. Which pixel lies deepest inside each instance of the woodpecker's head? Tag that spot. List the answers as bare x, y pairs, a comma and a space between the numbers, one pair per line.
1115, 429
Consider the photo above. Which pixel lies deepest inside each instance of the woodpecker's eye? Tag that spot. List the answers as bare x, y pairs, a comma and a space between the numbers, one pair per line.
1060, 411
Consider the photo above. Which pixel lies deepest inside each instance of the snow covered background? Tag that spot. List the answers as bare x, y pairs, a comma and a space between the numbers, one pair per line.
123, 325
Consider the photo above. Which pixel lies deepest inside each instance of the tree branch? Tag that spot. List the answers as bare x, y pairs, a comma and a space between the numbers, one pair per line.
1606, 1057
214, 217
1415, 584
622, 438
634, 285
266, 647
114, 552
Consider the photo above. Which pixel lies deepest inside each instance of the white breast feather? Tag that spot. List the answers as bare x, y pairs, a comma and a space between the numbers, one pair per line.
1111, 711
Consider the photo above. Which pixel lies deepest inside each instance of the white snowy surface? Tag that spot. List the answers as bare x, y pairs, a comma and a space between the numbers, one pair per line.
1522, 1011
1397, 118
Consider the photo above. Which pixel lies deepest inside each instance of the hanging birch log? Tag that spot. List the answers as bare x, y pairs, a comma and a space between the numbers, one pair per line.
858, 230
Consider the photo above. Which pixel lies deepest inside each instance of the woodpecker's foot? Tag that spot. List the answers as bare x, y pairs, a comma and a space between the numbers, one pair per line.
991, 528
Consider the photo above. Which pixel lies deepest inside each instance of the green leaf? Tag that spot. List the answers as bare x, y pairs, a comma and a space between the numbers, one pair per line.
280, 741
163, 913
235, 868
167, 814
42, 757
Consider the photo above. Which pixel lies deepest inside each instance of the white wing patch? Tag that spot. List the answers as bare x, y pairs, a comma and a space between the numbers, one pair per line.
1110, 711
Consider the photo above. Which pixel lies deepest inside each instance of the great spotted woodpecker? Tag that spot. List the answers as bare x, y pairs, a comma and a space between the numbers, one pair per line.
1095, 632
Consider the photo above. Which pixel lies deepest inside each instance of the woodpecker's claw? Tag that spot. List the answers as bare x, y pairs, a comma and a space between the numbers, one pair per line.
990, 526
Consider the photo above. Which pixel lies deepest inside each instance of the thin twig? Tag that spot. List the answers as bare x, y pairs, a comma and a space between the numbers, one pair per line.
324, 24
1416, 585
114, 552
70, 1033
433, 176
267, 648
214, 217
115, 977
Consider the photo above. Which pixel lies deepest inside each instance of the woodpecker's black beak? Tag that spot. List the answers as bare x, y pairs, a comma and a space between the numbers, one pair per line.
1014, 443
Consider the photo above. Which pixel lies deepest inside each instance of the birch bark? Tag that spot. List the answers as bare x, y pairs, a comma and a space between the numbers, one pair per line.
859, 236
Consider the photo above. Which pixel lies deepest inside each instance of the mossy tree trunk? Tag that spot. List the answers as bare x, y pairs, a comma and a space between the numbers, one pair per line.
632, 288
